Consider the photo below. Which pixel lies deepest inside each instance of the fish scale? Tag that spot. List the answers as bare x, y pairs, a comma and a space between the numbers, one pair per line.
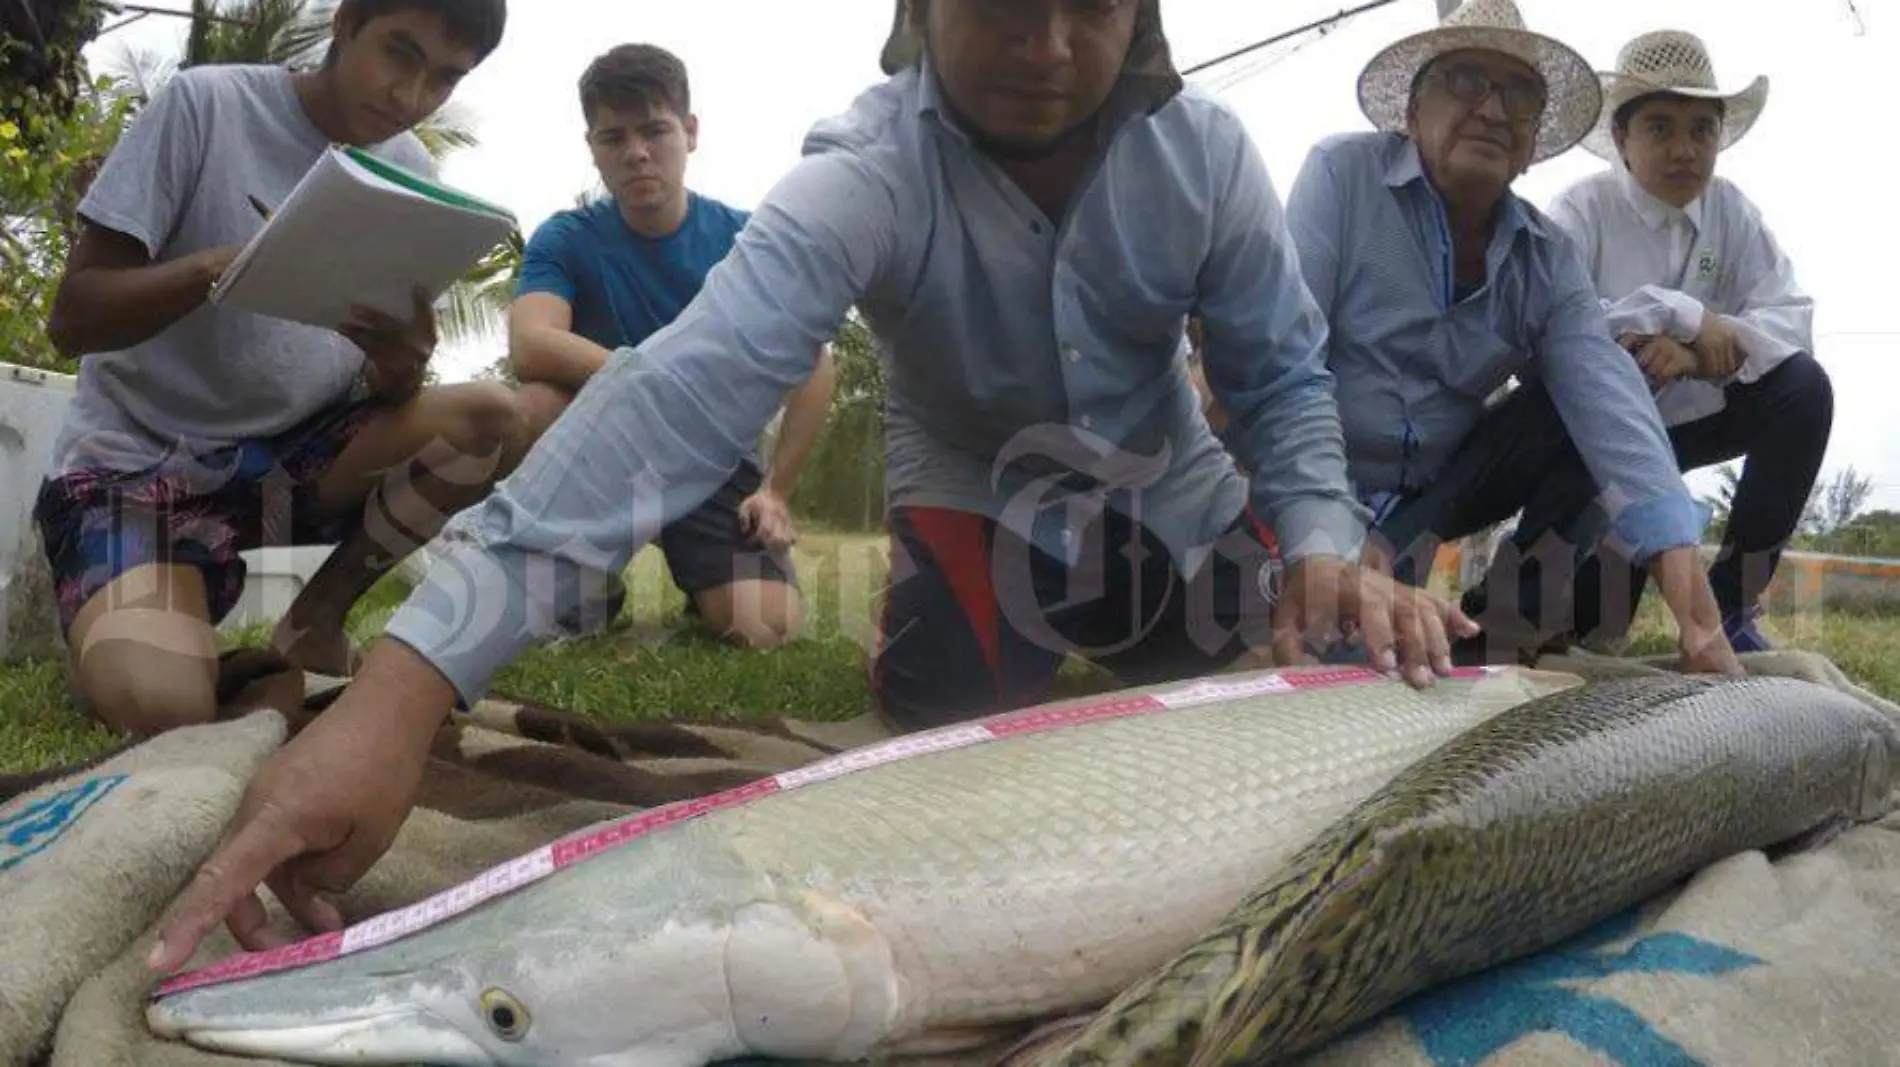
1011, 880
1517, 834
1031, 877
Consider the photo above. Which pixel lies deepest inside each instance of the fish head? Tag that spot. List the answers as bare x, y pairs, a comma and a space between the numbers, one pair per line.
348, 1010
563, 993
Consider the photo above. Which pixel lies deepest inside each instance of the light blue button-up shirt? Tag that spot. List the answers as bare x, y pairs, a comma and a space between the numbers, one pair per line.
1415, 363
1017, 351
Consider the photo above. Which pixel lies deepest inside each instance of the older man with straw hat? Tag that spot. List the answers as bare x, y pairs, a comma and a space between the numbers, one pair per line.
1025, 212
1440, 285
1705, 299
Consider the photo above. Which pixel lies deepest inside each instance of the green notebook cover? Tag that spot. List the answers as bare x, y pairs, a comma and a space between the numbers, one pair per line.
411, 180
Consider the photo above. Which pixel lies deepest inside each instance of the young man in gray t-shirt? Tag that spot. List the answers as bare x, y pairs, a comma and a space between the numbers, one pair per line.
200, 431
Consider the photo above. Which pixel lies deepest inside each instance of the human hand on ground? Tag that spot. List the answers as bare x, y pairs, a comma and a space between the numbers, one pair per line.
765, 517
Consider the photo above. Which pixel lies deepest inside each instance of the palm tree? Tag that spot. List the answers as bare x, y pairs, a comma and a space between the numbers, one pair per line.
296, 33
40, 60
477, 306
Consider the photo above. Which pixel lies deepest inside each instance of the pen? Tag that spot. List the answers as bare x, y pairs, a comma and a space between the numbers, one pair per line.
258, 205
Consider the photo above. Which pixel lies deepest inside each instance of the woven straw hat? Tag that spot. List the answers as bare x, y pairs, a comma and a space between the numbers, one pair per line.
1678, 62
1575, 96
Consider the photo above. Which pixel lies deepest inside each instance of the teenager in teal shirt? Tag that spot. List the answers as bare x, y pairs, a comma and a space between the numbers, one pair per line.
610, 274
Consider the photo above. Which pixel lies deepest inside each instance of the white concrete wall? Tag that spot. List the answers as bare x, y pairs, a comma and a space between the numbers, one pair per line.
32, 407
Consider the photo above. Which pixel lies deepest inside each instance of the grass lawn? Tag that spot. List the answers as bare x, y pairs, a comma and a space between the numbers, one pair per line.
651, 665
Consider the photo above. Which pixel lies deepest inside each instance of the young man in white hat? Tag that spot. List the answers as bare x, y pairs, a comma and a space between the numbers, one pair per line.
1440, 285
1053, 485
1703, 297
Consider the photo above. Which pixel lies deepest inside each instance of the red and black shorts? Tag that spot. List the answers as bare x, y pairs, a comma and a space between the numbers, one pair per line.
194, 510
976, 621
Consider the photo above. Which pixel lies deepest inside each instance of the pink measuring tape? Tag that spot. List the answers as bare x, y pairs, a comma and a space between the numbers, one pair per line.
538, 864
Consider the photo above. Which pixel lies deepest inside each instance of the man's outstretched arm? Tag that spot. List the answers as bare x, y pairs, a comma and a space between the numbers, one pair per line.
652, 437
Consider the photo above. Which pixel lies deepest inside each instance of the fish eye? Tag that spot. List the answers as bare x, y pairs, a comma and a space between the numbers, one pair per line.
504, 1015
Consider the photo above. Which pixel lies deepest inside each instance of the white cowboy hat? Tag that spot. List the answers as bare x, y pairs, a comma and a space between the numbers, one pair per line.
1678, 62
1575, 97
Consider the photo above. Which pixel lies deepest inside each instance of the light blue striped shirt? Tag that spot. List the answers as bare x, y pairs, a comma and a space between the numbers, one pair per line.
1415, 364
1016, 352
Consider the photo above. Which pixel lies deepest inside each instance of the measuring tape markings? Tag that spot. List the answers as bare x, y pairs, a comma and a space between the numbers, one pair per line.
540, 863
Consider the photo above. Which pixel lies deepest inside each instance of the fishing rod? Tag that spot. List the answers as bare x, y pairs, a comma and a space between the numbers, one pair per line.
1317, 24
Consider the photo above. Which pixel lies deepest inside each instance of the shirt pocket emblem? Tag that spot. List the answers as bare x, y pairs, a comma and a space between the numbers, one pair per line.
1705, 265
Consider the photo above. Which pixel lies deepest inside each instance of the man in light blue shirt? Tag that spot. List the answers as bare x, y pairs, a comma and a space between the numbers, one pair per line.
1026, 212
1440, 285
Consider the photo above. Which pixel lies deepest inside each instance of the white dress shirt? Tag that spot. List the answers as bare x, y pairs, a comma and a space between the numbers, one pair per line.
1659, 269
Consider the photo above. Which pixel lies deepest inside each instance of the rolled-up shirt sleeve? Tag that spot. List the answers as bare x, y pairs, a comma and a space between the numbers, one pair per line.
1600, 394
1648, 310
1265, 360
655, 431
1653, 311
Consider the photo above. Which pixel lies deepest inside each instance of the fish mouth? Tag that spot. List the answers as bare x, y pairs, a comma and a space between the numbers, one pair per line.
384, 1035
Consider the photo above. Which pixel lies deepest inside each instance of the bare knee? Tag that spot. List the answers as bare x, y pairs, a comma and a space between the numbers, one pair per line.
475, 436
143, 656
486, 420
756, 615
142, 688
540, 405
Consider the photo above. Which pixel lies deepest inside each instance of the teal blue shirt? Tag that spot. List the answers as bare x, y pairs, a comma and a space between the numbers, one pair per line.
624, 287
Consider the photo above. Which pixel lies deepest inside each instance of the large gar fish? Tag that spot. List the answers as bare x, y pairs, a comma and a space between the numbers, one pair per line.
1510, 838
908, 905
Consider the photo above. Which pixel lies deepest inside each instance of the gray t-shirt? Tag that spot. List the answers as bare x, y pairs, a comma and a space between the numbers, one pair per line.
179, 181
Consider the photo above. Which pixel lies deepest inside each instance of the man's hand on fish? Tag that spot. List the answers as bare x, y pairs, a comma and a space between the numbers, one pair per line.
1401, 627
1704, 646
319, 813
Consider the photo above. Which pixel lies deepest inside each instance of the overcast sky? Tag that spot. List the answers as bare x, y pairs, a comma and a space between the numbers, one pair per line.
1817, 164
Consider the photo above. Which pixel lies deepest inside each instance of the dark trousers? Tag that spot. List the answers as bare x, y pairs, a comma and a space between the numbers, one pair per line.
1781, 424
1506, 461
976, 621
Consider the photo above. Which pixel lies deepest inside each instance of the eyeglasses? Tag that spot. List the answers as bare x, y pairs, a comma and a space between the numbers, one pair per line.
1523, 100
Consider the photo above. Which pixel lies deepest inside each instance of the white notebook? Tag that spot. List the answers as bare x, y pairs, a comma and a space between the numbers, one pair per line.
358, 230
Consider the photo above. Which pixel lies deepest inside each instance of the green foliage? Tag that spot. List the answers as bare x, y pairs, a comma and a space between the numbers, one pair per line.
1836, 502
291, 32
42, 72
1876, 533
1831, 516
40, 189
842, 485
476, 306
